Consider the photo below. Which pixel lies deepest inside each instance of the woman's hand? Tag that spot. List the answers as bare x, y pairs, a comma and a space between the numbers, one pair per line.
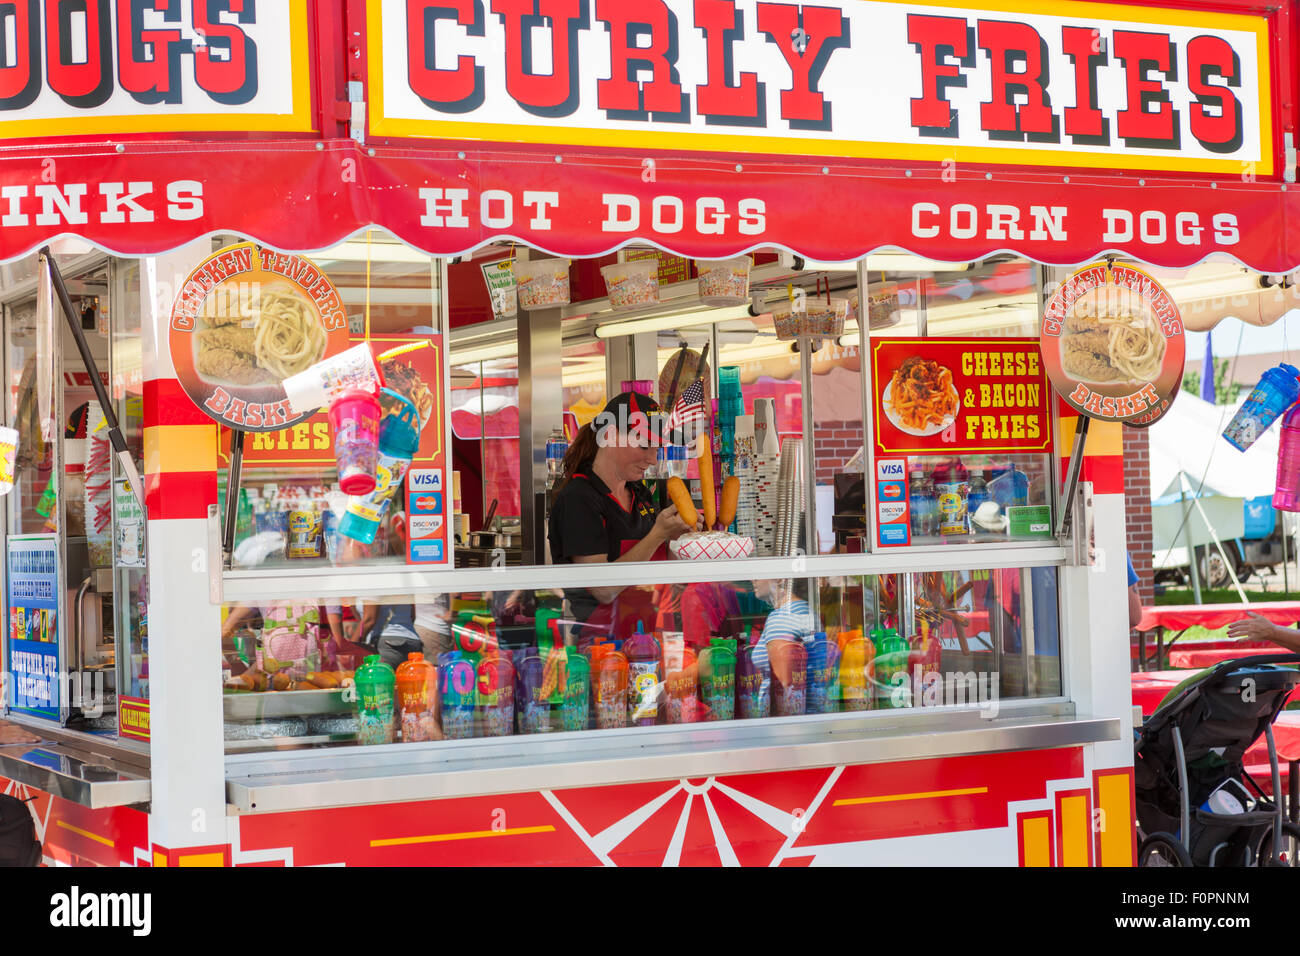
669, 525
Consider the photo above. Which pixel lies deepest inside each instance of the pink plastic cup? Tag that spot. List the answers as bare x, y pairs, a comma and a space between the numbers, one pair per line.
354, 416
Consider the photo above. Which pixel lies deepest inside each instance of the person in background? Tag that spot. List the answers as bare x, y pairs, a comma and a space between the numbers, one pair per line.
433, 624
388, 623
1134, 598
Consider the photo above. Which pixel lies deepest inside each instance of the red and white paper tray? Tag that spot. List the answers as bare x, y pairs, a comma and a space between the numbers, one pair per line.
711, 546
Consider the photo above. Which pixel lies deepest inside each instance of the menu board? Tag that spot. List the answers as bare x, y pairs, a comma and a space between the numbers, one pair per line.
959, 395
1112, 344
33, 638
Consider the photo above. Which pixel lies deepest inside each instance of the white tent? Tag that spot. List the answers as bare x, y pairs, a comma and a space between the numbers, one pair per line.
1190, 458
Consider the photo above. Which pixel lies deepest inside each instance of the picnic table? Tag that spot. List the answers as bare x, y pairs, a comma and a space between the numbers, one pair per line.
1163, 620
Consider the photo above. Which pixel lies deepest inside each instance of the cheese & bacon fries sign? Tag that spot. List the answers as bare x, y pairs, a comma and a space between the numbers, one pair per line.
1112, 343
245, 320
960, 395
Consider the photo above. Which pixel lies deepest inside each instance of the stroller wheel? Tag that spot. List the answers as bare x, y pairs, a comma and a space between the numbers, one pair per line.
1163, 849
1290, 847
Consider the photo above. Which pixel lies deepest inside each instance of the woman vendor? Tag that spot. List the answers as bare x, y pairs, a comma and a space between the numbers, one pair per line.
603, 513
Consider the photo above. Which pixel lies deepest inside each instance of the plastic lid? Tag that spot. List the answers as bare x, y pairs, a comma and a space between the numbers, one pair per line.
415, 656
370, 659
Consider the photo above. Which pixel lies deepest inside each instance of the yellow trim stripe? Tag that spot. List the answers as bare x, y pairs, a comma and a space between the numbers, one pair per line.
179, 448
1104, 438
159, 859
1011, 155
923, 795
1113, 799
1036, 838
201, 859
468, 835
85, 833
1074, 831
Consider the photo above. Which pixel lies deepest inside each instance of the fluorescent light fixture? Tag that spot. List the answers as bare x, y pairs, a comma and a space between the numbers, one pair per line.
657, 323
906, 262
849, 340
483, 353
355, 251
356, 295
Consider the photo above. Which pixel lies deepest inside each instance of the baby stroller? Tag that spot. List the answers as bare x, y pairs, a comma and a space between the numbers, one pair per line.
1196, 805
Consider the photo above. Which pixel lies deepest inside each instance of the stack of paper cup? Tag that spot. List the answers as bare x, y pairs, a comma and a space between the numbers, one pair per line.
767, 463
790, 499
747, 507
766, 478
765, 440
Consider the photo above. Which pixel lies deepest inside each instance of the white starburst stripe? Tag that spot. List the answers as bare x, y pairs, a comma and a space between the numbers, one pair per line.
726, 854
674, 855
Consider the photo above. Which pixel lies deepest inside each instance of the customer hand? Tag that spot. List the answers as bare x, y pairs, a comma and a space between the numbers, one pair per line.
1253, 627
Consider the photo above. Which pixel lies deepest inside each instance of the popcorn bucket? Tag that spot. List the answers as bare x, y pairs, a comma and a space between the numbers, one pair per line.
543, 283
632, 285
725, 281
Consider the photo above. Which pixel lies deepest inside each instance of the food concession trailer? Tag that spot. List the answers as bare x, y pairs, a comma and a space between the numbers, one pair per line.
926, 180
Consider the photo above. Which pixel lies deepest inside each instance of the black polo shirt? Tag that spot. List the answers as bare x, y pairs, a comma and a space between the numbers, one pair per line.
588, 519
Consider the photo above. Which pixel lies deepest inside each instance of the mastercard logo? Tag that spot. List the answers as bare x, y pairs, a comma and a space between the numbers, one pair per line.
428, 503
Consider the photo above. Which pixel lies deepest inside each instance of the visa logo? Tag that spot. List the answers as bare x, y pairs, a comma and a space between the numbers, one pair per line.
424, 479
891, 468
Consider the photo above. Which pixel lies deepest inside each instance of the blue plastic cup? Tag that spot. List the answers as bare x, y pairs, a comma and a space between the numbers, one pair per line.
1277, 391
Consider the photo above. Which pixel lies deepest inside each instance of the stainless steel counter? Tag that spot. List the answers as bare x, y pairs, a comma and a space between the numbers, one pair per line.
308, 779
78, 770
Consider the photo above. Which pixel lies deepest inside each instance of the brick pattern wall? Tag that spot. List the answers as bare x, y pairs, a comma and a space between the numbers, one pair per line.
1137, 505
834, 444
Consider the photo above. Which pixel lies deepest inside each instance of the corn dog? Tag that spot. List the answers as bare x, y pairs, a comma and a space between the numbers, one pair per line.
730, 498
682, 499
706, 483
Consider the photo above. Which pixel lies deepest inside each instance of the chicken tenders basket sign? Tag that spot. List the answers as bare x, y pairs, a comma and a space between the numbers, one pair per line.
245, 320
1112, 344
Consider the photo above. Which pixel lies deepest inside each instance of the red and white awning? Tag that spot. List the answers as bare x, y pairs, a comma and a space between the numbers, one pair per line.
302, 196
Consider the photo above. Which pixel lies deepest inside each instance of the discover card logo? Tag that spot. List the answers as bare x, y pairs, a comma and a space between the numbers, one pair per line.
77, 909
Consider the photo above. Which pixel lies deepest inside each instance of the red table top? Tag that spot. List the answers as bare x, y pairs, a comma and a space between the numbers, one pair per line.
1176, 617
1150, 688
1198, 657
1286, 734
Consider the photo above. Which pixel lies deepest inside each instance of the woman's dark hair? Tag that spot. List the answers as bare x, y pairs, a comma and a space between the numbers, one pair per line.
581, 453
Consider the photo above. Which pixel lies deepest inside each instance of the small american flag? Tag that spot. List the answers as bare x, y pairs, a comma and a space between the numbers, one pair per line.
689, 407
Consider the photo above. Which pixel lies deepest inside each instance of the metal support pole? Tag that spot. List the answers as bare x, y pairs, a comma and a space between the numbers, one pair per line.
1072, 476
540, 410
233, 476
811, 544
115, 435
1191, 549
